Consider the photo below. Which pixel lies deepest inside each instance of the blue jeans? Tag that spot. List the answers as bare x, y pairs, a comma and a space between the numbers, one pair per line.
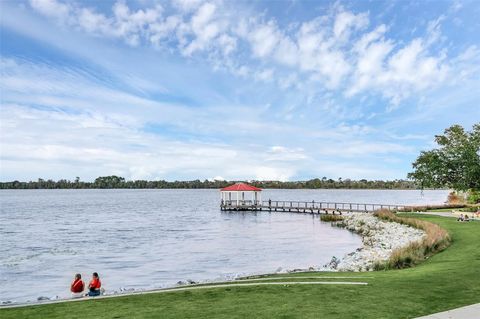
93, 293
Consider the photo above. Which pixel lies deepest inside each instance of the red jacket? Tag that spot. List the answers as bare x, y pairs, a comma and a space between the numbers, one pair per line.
77, 286
95, 283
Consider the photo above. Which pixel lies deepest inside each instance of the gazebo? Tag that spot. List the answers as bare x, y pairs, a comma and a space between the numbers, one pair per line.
240, 195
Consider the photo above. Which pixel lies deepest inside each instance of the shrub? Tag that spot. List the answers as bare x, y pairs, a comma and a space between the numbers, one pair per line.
454, 199
473, 197
435, 240
330, 218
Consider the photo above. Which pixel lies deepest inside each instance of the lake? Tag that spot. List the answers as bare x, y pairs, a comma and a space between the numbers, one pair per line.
145, 239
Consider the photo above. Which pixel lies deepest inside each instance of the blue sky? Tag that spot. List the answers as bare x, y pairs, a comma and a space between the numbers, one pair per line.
186, 89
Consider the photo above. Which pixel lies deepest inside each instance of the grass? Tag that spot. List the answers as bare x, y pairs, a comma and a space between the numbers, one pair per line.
331, 218
436, 239
444, 281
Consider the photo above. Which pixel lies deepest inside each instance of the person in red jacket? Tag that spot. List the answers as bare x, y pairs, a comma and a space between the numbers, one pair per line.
94, 285
77, 286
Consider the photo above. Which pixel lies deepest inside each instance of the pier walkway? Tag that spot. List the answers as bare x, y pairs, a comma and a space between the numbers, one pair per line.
311, 207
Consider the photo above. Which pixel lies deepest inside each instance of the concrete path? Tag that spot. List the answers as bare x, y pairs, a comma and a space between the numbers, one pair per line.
192, 287
468, 312
443, 214
298, 277
450, 214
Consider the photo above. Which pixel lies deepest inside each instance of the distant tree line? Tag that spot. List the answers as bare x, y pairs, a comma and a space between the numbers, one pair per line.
120, 182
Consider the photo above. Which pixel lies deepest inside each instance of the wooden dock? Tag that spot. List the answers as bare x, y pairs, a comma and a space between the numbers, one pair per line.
311, 207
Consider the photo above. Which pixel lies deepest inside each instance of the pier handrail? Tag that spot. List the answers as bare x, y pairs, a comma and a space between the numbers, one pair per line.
311, 205
338, 203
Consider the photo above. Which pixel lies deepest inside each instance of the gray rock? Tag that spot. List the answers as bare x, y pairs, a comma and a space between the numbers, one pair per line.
379, 239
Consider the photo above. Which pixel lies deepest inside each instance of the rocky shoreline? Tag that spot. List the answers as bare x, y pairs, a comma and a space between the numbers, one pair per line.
380, 238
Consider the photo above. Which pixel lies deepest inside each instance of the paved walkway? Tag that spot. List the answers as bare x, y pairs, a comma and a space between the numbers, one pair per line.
449, 214
468, 312
299, 277
192, 287
443, 214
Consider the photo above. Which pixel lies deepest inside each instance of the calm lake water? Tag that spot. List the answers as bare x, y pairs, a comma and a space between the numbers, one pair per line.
146, 239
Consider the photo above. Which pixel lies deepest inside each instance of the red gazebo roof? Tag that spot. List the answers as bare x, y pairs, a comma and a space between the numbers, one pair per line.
240, 187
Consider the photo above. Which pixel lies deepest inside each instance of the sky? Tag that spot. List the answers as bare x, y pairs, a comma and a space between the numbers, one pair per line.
236, 90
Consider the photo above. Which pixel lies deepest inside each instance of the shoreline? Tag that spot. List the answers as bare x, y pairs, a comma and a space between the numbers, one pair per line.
453, 268
379, 239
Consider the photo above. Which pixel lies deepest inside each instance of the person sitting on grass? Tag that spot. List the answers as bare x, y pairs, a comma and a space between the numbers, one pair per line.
467, 219
77, 286
94, 285
460, 219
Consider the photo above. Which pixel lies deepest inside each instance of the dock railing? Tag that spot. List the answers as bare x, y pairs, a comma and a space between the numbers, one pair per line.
305, 206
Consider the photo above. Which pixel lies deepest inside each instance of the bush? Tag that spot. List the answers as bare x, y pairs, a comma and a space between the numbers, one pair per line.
436, 239
331, 218
455, 199
473, 197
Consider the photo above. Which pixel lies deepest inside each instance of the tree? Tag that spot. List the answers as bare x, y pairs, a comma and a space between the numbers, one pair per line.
109, 182
454, 164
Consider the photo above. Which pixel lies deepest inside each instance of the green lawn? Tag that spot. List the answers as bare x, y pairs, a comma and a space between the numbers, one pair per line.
447, 280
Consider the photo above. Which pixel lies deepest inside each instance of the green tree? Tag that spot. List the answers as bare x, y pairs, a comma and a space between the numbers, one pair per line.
455, 163
109, 182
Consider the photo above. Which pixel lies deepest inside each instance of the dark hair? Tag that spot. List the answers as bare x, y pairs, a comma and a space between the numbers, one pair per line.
78, 276
95, 274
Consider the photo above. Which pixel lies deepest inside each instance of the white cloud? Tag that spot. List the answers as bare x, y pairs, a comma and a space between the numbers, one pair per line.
396, 74
336, 51
284, 154
287, 82
345, 22
264, 75
216, 178
164, 30
312, 62
94, 22
263, 39
372, 51
227, 44
52, 8
287, 52
203, 27
187, 5
318, 55
90, 129
273, 173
